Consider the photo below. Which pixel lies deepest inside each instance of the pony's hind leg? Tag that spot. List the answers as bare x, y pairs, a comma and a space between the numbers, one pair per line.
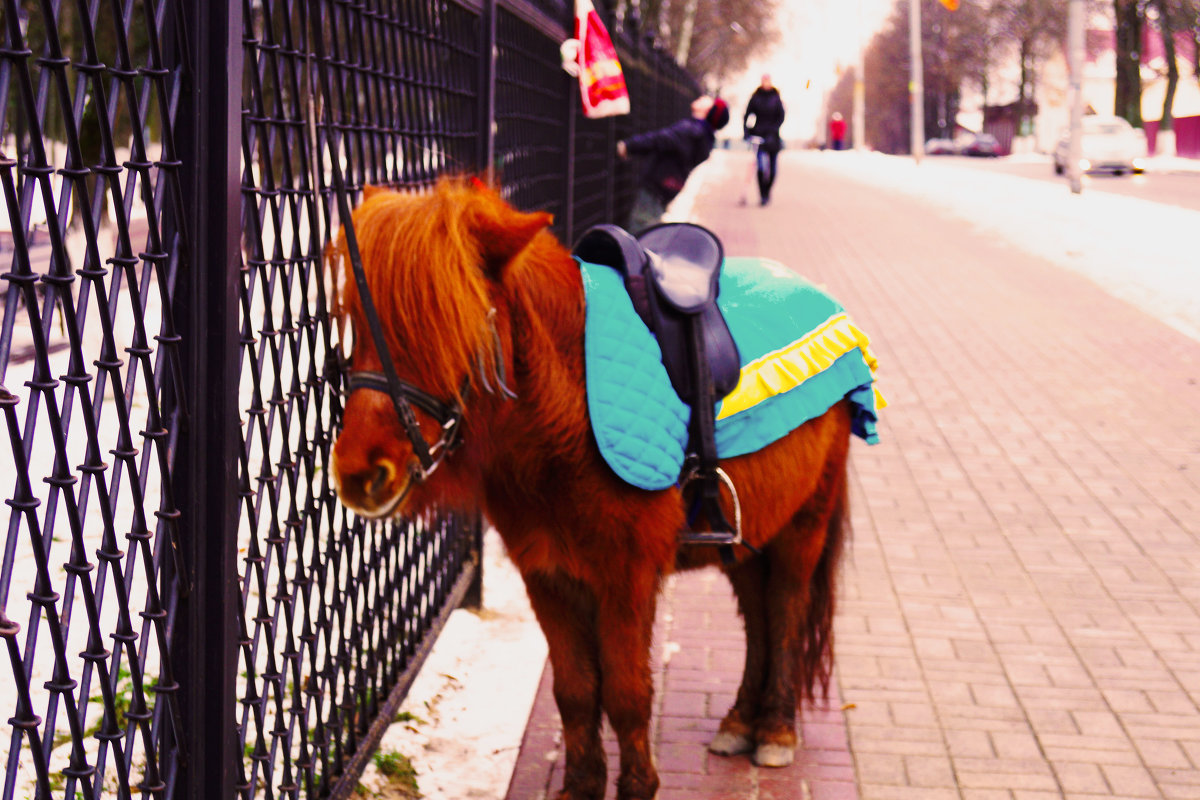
736, 734
565, 610
801, 587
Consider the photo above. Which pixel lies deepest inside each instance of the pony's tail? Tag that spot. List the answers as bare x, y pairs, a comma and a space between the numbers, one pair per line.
816, 641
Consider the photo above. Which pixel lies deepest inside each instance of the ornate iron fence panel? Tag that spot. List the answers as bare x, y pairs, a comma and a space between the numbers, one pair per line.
186, 610
336, 614
92, 399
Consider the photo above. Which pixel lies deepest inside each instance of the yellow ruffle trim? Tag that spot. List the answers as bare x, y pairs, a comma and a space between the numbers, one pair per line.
784, 369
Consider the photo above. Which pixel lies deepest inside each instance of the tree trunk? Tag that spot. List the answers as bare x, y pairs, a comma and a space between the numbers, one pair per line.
1024, 93
1167, 29
685, 34
1127, 101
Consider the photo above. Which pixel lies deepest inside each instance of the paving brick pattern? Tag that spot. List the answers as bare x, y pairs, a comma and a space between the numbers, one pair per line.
1020, 612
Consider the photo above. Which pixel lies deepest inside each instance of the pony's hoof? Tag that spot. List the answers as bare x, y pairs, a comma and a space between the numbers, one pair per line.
774, 755
730, 744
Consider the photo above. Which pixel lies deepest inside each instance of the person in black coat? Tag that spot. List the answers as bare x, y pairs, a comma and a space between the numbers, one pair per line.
766, 110
671, 155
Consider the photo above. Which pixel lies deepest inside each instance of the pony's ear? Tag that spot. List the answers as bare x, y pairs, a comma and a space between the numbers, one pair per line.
503, 232
370, 190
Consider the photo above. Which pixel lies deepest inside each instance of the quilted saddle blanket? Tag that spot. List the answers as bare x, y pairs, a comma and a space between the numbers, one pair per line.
800, 355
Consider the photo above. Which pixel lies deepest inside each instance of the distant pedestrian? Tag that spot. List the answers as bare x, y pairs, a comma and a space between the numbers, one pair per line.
837, 131
671, 155
766, 110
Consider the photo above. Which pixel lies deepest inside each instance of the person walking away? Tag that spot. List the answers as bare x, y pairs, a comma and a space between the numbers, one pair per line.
837, 131
671, 153
766, 110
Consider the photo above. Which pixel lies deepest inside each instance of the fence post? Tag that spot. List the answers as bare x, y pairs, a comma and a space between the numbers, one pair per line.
572, 117
574, 105
487, 90
204, 644
487, 163
610, 173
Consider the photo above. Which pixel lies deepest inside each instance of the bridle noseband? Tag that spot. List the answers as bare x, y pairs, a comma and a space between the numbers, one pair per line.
404, 395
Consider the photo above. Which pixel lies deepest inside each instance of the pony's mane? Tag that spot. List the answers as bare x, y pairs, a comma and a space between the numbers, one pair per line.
423, 266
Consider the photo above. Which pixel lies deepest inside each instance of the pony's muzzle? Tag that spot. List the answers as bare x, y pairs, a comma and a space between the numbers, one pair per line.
373, 488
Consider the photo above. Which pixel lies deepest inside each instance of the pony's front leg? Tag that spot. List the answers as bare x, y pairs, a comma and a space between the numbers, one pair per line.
626, 625
565, 610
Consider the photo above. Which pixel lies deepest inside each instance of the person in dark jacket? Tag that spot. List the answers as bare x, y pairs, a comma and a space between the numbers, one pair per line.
671, 155
766, 110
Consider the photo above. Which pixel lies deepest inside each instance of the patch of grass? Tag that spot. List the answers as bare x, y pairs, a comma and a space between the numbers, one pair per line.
123, 700
56, 781
399, 771
409, 717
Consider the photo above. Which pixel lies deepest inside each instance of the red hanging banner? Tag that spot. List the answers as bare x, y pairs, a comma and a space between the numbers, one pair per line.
601, 81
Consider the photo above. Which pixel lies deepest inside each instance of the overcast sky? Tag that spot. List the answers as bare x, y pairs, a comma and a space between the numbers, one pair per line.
817, 36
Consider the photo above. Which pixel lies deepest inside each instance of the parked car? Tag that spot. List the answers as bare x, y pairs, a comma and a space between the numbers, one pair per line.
1109, 144
982, 144
940, 147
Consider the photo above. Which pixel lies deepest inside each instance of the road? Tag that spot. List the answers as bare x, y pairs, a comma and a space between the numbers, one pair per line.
1174, 187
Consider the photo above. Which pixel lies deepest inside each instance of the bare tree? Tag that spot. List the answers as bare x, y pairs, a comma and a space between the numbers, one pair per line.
1036, 28
1172, 17
956, 47
1191, 16
886, 70
714, 38
959, 47
1166, 28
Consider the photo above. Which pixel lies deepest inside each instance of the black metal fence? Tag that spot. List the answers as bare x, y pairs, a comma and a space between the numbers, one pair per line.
185, 608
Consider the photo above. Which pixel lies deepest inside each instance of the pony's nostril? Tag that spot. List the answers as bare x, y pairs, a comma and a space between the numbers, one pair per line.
382, 477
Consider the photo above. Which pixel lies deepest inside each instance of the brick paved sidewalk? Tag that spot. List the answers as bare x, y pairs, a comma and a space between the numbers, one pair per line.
1020, 614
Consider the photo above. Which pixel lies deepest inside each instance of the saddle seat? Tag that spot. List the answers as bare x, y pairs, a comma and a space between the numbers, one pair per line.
672, 273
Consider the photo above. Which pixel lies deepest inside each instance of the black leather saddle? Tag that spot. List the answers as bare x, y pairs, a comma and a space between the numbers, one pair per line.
672, 273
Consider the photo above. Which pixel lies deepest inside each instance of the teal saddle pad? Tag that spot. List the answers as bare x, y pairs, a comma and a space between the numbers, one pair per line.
800, 355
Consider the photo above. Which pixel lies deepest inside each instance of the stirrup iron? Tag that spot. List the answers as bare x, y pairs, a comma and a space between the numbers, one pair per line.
709, 506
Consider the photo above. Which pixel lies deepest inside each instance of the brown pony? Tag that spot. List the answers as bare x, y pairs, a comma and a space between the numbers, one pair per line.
460, 280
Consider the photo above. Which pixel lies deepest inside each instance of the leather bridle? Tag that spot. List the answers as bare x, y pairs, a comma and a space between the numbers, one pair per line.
404, 395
